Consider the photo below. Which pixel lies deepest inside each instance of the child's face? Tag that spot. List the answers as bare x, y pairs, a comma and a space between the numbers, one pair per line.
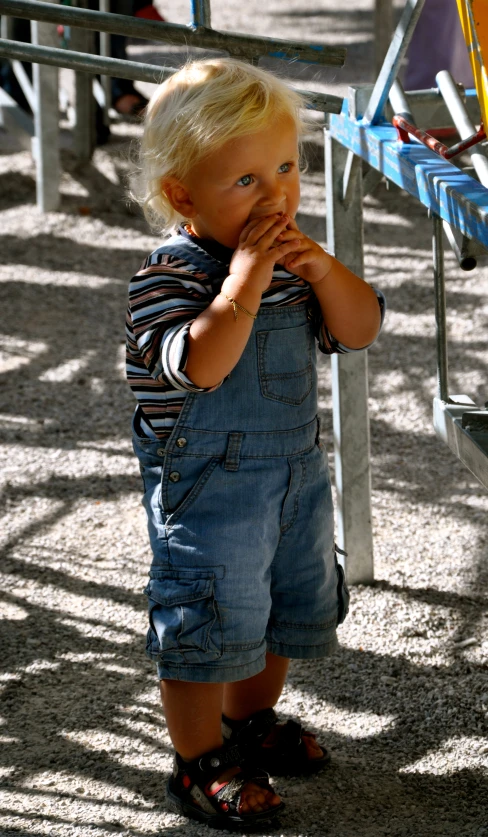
249, 177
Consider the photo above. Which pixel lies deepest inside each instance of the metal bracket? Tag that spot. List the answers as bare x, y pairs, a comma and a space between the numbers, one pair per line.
465, 431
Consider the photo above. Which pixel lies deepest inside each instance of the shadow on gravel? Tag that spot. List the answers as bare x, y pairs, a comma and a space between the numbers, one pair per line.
16, 189
58, 695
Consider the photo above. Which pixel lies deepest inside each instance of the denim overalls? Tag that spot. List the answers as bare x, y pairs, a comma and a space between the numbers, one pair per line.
240, 512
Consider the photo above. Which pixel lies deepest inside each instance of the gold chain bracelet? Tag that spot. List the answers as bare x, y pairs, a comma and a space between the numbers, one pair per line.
237, 305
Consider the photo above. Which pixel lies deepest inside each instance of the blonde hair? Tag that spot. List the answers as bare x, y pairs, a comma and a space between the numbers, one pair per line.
194, 113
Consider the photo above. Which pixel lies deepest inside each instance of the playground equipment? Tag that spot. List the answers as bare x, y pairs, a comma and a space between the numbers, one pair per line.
456, 201
46, 55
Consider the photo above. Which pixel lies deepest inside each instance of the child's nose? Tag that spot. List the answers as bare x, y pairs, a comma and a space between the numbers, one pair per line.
273, 194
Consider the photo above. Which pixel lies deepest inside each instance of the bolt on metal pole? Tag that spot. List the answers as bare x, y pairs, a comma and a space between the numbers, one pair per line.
440, 308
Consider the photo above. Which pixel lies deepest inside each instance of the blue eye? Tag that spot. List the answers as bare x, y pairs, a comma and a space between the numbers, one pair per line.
285, 167
245, 181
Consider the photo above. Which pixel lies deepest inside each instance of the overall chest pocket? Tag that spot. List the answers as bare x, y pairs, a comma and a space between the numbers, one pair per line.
285, 363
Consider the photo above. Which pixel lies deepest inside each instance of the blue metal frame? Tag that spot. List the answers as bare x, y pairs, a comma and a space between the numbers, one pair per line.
448, 192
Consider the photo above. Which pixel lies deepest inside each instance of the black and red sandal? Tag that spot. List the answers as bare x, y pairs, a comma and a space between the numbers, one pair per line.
275, 746
188, 790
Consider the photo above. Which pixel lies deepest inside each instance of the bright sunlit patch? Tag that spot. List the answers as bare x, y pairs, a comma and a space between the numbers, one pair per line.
15, 352
124, 750
378, 216
99, 631
36, 276
354, 724
12, 612
118, 669
40, 665
453, 755
66, 372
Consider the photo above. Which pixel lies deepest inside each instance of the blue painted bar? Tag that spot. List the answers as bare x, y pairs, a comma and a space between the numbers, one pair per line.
456, 197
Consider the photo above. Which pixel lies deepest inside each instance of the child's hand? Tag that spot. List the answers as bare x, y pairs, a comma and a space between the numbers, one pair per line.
307, 260
260, 248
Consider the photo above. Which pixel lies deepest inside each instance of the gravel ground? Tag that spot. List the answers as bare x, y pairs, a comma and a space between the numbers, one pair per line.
403, 706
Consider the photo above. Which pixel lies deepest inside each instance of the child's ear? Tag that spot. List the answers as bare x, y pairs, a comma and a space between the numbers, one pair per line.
178, 196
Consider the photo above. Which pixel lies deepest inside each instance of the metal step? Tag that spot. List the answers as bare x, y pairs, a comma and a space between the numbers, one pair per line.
464, 427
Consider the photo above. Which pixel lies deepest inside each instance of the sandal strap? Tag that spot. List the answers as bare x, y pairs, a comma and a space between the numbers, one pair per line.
288, 736
254, 730
257, 727
203, 771
285, 752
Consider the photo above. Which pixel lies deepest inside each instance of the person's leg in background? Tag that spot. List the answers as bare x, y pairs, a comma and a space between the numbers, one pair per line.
437, 44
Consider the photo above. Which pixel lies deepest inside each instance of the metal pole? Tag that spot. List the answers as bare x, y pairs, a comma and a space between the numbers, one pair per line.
84, 131
176, 34
383, 30
105, 52
200, 13
399, 102
394, 57
350, 376
464, 125
440, 309
325, 102
46, 120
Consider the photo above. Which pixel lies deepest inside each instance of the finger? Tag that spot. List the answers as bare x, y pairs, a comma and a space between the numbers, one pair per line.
284, 250
268, 233
257, 227
302, 258
302, 246
289, 235
292, 224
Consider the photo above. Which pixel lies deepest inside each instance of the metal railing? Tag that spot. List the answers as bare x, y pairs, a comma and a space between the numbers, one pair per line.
83, 21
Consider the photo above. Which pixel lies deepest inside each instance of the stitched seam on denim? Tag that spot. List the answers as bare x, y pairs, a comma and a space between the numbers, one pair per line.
289, 311
309, 426
204, 665
285, 376
304, 626
288, 526
233, 450
193, 494
267, 393
159, 572
182, 599
281, 455
242, 646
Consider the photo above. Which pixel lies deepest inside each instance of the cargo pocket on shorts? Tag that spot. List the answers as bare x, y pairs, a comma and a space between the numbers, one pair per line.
285, 364
343, 595
184, 618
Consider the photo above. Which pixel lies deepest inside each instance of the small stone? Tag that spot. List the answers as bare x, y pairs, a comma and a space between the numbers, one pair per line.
466, 643
390, 681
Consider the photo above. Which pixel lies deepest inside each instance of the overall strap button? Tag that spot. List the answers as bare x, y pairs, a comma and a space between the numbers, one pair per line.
175, 476
181, 442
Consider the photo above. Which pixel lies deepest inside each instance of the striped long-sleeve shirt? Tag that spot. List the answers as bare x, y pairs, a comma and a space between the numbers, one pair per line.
165, 297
